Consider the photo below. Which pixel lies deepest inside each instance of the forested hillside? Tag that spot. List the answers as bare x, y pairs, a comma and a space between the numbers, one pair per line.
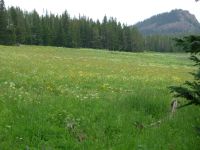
171, 23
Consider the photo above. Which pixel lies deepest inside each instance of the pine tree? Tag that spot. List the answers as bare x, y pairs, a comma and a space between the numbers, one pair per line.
2, 22
17, 23
36, 28
191, 89
137, 40
127, 43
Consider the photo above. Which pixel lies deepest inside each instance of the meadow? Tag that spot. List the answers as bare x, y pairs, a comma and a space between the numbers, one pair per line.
61, 98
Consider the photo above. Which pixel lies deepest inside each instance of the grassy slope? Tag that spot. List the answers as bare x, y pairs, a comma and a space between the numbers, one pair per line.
58, 98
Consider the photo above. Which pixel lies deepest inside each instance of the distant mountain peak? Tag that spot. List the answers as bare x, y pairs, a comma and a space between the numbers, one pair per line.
177, 21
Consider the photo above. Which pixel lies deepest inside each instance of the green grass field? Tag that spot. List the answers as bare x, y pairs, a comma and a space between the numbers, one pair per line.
58, 98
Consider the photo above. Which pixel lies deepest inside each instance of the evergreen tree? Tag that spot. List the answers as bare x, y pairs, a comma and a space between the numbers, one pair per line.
127, 43
120, 36
112, 35
36, 28
137, 40
28, 34
75, 33
96, 37
60, 35
16, 17
10, 34
191, 89
104, 34
66, 26
3, 22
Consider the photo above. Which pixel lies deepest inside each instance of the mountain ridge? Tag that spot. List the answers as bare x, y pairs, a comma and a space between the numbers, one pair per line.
177, 21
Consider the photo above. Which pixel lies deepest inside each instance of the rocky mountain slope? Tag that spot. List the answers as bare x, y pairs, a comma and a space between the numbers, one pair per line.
175, 22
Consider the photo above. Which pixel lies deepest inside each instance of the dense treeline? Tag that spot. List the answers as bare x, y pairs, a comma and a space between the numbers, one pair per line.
62, 30
160, 43
20, 27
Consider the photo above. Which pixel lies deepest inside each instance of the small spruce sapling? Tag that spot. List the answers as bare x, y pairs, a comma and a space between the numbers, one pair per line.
190, 90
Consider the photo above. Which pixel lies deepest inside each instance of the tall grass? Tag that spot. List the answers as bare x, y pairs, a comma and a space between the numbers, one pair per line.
59, 98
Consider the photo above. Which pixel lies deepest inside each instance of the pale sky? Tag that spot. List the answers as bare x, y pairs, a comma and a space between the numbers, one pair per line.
126, 11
